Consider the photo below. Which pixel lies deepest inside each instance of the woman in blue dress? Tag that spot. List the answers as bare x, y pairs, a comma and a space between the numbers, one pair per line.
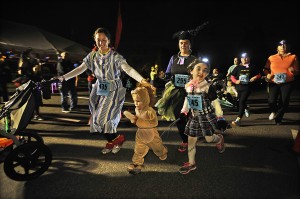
108, 95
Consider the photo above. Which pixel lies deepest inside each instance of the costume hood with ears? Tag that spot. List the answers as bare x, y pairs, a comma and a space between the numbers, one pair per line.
144, 94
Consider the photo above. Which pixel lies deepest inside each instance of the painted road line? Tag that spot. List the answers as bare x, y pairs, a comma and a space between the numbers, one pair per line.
67, 119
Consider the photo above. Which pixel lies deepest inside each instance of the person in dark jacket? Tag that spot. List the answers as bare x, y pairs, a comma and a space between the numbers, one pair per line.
65, 65
30, 69
5, 76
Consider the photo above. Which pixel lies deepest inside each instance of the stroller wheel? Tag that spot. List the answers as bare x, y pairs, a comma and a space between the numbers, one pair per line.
28, 137
27, 161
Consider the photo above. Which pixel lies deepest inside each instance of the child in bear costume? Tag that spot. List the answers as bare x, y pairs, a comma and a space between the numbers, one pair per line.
147, 136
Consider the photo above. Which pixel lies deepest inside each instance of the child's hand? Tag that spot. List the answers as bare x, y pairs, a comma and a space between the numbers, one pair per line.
130, 116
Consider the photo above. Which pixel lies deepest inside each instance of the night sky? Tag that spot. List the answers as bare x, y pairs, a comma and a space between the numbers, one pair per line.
249, 26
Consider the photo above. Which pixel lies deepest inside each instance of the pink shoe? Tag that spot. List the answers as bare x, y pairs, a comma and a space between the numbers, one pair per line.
187, 167
182, 147
220, 145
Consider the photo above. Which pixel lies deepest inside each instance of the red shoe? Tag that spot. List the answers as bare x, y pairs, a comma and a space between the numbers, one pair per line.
182, 147
108, 148
119, 140
187, 167
220, 145
117, 143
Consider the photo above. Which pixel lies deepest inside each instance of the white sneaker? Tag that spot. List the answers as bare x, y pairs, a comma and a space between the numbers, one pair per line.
272, 116
38, 117
116, 149
247, 114
236, 122
108, 148
65, 111
105, 151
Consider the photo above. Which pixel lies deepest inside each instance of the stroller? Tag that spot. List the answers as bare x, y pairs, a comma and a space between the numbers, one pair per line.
225, 101
24, 154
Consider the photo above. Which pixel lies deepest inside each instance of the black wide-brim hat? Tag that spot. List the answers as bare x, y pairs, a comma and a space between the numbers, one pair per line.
185, 35
189, 34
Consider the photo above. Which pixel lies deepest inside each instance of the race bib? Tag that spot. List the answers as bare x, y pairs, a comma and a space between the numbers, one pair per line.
195, 102
280, 78
181, 80
103, 88
244, 79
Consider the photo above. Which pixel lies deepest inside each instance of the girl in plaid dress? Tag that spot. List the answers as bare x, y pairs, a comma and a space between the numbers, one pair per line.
204, 111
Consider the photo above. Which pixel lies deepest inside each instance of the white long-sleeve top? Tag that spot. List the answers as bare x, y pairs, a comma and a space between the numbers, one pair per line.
202, 87
112, 61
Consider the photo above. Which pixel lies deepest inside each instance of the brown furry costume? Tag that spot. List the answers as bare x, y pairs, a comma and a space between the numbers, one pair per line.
147, 136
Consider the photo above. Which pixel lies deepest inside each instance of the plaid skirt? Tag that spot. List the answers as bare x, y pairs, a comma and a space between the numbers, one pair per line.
201, 125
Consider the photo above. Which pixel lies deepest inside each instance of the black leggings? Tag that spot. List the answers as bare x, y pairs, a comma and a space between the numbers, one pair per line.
243, 97
177, 109
283, 92
110, 136
181, 128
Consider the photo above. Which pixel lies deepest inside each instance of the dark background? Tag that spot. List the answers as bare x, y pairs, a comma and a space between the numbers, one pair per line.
247, 26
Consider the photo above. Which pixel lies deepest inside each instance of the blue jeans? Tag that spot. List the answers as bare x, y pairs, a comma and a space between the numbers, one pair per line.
68, 88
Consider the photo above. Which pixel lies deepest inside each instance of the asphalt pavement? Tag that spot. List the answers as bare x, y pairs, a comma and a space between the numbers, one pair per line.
258, 161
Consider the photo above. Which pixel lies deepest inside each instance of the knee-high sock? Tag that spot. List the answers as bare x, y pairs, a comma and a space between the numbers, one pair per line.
192, 141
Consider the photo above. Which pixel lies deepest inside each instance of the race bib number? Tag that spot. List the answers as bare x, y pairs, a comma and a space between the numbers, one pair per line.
244, 79
280, 78
195, 102
103, 88
181, 80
